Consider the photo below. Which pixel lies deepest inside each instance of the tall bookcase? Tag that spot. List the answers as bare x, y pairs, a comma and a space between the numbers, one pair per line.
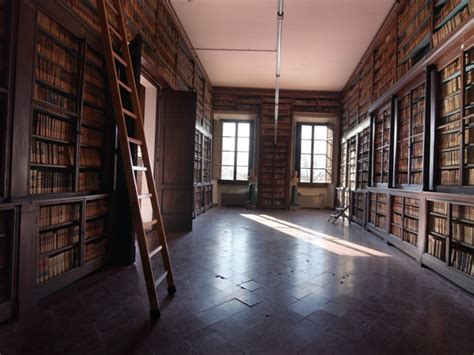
414, 29
378, 209
274, 161
404, 223
381, 138
410, 137
67, 226
455, 124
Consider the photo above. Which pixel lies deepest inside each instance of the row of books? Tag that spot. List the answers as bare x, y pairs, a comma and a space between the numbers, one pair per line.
58, 214
89, 181
55, 29
411, 238
94, 95
49, 182
449, 177
411, 225
95, 227
450, 26
450, 70
95, 249
50, 97
463, 212
55, 75
449, 140
436, 247
92, 137
462, 260
53, 266
463, 233
83, 10
90, 158
414, 17
451, 86
450, 104
93, 115
96, 208
439, 207
450, 158
47, 48
49, 127
94, 77
438, 225
384, 63
52, 154
56, 239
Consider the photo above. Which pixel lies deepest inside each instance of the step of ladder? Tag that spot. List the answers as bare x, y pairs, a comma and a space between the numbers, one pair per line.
121, 86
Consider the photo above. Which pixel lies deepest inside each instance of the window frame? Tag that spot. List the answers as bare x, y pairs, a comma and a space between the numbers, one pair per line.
251, 151
299, 126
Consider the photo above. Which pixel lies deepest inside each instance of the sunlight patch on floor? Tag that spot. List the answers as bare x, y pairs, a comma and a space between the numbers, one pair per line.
323, 240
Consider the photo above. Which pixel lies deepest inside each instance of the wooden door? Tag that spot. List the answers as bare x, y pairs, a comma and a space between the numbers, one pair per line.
174, 165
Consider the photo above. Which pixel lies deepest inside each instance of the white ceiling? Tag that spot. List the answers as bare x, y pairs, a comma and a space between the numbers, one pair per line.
323, 40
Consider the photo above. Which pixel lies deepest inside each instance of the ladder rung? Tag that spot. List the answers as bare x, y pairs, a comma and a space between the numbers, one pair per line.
125, 86
155, 251
147, 225
161, 278
114, 31
128, 113
144, 196
114, 10
134, 141
139, 168
120, 59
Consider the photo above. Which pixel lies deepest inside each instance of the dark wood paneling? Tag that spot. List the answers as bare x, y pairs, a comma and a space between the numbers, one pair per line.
174, 168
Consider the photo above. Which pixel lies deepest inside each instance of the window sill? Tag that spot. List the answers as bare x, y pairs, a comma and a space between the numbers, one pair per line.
232, 182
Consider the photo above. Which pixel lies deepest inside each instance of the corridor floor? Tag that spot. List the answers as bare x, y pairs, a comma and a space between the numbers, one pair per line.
264, 283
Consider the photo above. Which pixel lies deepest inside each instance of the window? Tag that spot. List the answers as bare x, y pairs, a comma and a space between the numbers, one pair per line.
314, 153
236, 157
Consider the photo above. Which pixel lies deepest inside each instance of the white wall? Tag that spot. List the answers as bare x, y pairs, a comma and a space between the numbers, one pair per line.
150, 118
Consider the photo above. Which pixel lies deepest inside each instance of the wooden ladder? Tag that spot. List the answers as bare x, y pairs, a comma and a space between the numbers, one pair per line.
128, 117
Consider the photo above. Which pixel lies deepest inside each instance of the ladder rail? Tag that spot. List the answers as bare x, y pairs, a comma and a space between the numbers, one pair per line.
146, 158
124, 142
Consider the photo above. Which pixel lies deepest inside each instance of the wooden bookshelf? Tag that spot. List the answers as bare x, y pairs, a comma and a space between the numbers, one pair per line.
353, 117
343, 165
449, 246
378, 209
352, 162
448, 16
363, 150
405, 213
384, 53
410, 137
413, 38
202, 172
365, 88
455, 124
381, 123
359, 207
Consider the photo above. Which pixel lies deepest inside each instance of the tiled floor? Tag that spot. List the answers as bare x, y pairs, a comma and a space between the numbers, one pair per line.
264, 283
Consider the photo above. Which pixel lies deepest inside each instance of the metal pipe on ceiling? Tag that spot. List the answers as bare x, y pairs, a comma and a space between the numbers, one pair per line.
278, 63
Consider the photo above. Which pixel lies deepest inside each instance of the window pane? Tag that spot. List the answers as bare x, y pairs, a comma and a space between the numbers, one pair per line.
305, 175
242, 158
242, 173
244, 130
306, 132
320, 132
227, 173
305, 161
228, 143
228, 158
243, 144
228, 129
319, 175
306, 146
320, 147
319, 161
